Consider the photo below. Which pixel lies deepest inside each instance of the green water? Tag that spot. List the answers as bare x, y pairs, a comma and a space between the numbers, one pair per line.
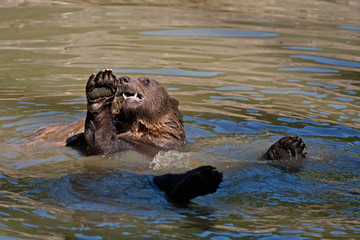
245, 73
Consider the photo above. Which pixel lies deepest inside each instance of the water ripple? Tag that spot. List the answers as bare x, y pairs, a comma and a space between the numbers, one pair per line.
229, 97
210, 32
301, 92
168, 71
234, 88
310, 69
329, 61
344, 99
302, 48
350, 27
322, 85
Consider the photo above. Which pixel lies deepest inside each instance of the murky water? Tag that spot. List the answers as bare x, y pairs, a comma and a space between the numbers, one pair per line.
245, 72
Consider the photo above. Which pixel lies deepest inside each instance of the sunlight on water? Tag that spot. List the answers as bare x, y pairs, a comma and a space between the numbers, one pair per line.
245, 74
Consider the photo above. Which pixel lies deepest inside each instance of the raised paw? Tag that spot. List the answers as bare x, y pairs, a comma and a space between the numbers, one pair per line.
101, 86
197, 182
287, 148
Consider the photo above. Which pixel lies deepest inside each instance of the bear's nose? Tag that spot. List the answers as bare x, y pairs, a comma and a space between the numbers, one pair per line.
124, 80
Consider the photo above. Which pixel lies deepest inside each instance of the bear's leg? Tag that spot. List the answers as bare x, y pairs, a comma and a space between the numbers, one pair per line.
186, 186
287, 153
100, 132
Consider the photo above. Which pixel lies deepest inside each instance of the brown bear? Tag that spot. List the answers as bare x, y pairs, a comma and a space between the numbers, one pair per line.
128, 113
138, 114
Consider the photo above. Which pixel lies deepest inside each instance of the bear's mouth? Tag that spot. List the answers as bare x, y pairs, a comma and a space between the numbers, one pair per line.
132, 96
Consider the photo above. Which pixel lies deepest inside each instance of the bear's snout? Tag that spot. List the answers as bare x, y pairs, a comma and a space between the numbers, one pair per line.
124, 80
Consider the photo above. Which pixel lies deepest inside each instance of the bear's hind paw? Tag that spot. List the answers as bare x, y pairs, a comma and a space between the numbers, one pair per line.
287, 148
184, 187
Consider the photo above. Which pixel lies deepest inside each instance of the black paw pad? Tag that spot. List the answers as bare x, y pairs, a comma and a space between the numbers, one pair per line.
101, 86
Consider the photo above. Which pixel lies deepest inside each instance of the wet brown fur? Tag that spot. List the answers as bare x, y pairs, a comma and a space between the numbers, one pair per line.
55, 134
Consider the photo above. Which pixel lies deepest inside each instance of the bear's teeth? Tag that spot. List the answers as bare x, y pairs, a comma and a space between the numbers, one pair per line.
129, 96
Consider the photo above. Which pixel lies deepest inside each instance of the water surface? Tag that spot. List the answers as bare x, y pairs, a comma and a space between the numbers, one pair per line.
245, 73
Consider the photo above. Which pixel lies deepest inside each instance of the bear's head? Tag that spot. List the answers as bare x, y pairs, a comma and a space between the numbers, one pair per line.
145, 98
149, 112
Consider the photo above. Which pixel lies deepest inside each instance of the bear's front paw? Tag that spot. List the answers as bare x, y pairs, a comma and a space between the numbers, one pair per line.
101, 86
287, 148
100, 89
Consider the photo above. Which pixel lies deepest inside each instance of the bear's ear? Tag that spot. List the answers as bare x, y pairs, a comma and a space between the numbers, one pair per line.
175, 102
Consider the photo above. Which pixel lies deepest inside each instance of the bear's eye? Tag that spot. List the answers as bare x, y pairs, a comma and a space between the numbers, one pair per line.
144, 81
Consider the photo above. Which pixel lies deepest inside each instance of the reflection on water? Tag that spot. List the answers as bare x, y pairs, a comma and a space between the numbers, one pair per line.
329, 61
310, 69
350, 27
245, 74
